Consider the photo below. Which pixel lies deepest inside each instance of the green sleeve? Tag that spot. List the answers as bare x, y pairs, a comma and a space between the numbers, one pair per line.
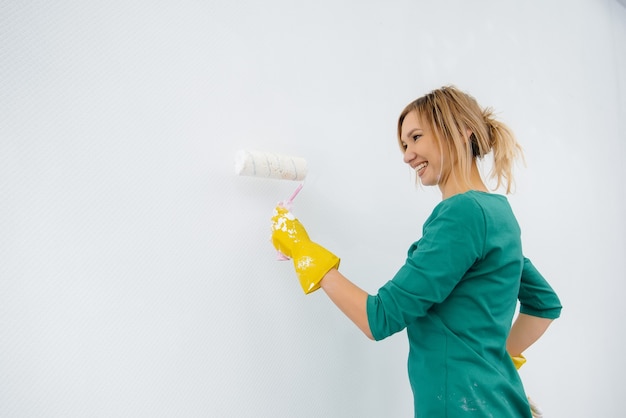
536, 296
452, 240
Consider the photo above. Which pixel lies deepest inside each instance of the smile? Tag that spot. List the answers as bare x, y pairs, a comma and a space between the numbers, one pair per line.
420, 168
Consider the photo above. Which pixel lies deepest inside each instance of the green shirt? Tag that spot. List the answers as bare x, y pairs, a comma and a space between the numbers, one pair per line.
456, 295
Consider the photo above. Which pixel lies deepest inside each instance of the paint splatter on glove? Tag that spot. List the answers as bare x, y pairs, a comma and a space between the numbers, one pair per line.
534, 409
311, 261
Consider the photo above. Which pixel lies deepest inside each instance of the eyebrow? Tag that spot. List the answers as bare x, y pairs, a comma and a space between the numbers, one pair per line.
412, 131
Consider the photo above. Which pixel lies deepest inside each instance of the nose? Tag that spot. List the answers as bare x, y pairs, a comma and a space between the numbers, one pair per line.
409, 156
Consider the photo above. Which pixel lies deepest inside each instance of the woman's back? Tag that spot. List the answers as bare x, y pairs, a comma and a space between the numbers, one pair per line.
458, 362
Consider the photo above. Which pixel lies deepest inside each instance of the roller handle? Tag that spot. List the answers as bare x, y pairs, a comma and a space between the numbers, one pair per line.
287, 204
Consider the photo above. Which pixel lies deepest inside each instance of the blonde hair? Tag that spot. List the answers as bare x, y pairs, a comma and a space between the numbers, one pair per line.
451, 113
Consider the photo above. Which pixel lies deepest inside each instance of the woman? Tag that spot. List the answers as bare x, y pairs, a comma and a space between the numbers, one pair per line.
457, 292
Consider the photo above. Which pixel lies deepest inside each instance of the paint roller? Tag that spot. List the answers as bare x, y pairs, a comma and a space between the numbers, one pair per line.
274, 166
270, 165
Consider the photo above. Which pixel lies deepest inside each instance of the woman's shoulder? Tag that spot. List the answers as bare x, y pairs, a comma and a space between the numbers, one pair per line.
469, 199
472, 204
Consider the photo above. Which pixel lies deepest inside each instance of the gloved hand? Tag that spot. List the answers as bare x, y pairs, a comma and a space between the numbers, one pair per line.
518, 361
310, 260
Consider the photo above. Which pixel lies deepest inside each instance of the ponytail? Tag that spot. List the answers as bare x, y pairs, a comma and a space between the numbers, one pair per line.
505, 150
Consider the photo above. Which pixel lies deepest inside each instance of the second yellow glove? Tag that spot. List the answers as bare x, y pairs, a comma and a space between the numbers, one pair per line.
311, 260
518, 361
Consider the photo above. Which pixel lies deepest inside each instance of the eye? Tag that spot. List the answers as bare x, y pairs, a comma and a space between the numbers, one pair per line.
403, 146
416, 137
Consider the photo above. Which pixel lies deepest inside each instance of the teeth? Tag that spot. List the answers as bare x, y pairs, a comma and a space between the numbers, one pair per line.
421, 166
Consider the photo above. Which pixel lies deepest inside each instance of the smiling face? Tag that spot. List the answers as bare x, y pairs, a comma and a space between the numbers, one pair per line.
422, 150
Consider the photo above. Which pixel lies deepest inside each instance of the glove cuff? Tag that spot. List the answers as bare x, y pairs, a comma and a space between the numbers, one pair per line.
312, 263
518, 361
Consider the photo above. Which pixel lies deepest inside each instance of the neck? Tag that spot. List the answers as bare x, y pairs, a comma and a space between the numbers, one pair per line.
456, 184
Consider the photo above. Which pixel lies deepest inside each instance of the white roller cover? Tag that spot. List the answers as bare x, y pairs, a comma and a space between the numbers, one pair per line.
270, 165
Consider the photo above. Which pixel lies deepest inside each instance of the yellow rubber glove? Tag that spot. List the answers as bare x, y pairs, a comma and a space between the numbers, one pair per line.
311, 261
518, 361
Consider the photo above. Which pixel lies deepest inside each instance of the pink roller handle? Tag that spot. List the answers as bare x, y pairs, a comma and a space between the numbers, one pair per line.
287, 204
281, 257
289, 201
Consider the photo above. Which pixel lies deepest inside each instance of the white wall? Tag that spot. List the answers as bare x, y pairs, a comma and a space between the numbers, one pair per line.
136, 275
